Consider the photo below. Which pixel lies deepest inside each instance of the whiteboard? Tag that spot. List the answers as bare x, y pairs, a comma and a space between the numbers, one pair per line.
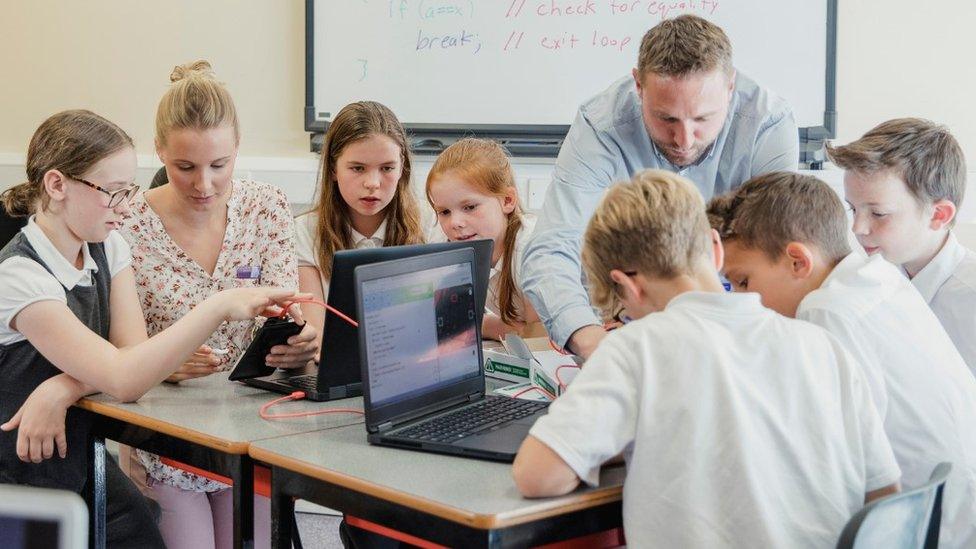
527, 65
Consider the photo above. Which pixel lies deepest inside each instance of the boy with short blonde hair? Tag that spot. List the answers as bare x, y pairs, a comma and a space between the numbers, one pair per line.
905, 180
784, 236
739, 426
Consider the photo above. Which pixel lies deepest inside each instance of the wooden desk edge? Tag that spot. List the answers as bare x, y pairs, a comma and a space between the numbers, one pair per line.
100, 408
542, 509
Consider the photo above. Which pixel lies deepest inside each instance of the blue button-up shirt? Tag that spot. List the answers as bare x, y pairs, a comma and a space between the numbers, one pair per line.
607, 143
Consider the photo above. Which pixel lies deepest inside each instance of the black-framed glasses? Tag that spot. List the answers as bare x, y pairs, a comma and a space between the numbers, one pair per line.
114, 197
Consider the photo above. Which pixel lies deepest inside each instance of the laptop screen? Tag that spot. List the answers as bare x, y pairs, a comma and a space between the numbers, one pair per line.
25, 533
40, 517
420, 332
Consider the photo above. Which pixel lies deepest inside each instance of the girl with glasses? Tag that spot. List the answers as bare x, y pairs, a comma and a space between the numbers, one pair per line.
66, 284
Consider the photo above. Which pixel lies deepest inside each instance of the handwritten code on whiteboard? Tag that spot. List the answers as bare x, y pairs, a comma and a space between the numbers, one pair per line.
532, 62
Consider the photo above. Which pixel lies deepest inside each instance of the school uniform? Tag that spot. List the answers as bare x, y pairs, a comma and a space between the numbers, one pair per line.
740, 427
927, 396
306, 249
948, 285
32, 270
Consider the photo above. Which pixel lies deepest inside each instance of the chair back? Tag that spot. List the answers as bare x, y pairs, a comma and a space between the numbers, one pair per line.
9, 226
906, 520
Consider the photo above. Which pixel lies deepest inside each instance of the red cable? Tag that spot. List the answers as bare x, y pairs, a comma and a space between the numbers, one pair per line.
314, 301
559, 381
534, 388
298, 395
557, 349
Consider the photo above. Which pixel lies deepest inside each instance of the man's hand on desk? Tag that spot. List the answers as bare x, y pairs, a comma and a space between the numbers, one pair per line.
585, 340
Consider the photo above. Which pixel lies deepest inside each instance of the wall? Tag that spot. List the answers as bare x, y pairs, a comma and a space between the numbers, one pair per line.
115, 56
897, 58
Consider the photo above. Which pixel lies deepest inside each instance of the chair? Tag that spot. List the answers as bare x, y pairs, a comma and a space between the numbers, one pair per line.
907, 520
9, 226
159, 179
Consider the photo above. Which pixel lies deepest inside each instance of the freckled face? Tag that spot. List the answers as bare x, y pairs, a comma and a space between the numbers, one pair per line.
464, 213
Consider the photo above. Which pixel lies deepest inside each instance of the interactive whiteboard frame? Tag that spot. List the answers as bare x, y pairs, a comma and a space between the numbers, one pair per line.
545, 139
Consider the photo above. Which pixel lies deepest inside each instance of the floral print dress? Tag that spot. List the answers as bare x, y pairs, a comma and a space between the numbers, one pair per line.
259, 238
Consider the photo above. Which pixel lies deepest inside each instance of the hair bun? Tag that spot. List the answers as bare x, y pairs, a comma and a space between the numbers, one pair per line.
198, 68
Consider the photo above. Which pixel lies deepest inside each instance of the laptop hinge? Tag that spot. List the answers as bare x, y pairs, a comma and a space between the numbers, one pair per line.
385, 426
477, 395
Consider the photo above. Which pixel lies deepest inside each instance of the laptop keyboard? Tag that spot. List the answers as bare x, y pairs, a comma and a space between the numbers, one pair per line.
308, 383
489, 413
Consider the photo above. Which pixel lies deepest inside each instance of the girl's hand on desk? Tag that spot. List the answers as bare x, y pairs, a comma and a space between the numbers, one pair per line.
201, 363
40, 421
302, 348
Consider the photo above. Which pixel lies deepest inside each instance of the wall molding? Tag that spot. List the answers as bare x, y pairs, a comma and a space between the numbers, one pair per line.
297, 177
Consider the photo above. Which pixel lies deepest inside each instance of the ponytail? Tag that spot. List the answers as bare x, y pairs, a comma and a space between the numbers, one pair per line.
21, 200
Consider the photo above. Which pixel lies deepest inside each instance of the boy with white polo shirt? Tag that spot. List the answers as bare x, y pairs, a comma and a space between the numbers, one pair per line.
785, 237
904, 181
739, 426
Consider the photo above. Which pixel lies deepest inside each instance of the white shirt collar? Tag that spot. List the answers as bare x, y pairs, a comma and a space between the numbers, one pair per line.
64, 271
721, 303
860, 271
933, 276
375, 241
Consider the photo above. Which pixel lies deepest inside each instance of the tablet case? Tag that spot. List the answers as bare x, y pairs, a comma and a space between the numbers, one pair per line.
252, 364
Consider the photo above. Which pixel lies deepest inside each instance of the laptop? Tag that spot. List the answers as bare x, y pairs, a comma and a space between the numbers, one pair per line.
420, 349
338, 373
41, 517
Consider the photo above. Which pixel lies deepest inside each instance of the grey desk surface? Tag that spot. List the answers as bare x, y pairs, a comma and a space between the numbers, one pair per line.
477, 493
219, 413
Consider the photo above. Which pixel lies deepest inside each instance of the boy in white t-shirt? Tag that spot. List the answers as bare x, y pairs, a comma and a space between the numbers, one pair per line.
785, 237
740, 427
904, 181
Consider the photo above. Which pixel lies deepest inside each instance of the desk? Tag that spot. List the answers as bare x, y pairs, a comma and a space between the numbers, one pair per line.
207, 423
453, 501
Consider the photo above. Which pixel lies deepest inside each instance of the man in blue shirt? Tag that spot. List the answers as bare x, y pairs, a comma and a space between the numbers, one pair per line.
684, 109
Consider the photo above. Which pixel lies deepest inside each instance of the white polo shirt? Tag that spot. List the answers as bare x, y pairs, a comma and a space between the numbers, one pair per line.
24, 281
948, 285
929, 395
740, 427
306, 225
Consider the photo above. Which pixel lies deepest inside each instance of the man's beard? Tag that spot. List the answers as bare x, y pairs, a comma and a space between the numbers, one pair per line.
682, 161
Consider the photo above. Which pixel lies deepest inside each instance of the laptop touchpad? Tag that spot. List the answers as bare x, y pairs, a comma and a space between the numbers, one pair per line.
506, 439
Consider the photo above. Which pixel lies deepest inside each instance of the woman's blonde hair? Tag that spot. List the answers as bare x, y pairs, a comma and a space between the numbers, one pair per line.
484, 165
196, 100
355, 122
71, 142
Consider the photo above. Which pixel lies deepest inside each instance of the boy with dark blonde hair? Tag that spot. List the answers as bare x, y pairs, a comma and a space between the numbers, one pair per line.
905, 180
785, 238
739, 426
